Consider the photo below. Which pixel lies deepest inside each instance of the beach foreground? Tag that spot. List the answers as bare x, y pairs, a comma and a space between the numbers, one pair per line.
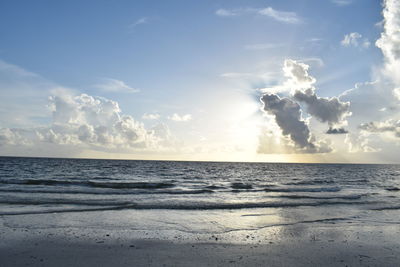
70, 212
251, 237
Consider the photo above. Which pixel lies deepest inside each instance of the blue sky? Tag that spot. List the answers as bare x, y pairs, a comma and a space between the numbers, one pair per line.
203, 59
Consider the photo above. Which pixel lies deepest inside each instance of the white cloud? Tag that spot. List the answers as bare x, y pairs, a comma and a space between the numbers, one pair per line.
351, 39
297, 73
297, 78
83, 109
359, 142
87, 122
23, 95
225, 13
94, 121
373, 101
389, 126
269, 142
180, 118
237, 75
389, 42
396, 92
330, 110
12, 137
142, 20
355, 39
314, 40
278, 15
342, 2
10, 68
282, 16
367, 99
252, 80
250, 76
313, 61
113, 85
165, 138
366, 43
151, 116
264, 46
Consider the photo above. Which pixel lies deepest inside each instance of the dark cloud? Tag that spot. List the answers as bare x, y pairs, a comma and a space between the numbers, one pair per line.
330, 110
336, 131
288, 117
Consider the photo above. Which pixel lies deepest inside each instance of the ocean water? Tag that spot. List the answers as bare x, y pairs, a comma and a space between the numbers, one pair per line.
46, 185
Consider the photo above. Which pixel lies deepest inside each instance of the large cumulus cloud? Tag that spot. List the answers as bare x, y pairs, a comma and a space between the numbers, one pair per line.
389, 42
86, 121
287, 111
94, 121
385, 121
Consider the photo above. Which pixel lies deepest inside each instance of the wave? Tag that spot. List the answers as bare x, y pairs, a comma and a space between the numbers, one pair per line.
116, 185
387, 208
304, 189
65, 202
87, 192
138, 185
241, 186
392, 188
158, 186
350, 197
215, 187
312, 182
173, 192
172, 206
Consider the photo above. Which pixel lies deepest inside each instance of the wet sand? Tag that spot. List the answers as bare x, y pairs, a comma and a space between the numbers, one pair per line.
91, 239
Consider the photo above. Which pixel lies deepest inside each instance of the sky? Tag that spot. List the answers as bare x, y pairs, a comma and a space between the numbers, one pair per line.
213, 80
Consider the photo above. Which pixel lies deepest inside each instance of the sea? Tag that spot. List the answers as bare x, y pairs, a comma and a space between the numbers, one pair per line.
55, 185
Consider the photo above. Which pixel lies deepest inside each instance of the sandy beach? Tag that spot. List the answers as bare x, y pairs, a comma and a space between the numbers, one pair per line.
138, 238
104, 213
